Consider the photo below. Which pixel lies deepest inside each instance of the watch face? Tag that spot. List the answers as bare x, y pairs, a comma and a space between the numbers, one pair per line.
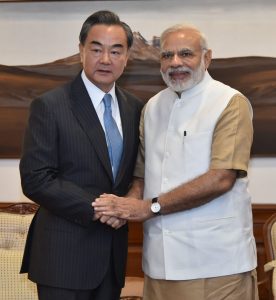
155, 207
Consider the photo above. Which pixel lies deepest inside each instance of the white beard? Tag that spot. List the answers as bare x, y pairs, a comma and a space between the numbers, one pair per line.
183, 85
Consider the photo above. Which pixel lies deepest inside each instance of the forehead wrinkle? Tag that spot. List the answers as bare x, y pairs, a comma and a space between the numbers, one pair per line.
176, 39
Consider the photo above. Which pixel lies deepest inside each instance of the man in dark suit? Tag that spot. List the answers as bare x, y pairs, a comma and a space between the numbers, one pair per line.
73, 253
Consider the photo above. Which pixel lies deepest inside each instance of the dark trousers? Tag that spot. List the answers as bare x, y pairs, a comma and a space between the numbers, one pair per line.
107, 290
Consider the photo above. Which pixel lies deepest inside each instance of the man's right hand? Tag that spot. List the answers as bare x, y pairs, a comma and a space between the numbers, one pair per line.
114, 222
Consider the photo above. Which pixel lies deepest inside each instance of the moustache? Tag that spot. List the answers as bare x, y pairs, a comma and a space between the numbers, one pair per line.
178, 70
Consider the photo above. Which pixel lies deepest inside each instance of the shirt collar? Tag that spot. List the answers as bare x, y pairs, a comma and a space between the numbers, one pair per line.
96, 95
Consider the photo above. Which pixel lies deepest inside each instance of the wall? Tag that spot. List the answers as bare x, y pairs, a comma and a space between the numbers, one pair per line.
34, 33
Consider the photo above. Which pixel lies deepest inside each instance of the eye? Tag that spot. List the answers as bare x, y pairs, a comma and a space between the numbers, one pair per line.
115, 52
96, 51
185, 53
167, 55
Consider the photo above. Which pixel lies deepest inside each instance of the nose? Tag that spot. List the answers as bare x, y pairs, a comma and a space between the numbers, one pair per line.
176, 60
105, 58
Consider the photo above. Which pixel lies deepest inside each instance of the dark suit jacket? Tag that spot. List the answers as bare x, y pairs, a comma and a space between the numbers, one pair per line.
65, 165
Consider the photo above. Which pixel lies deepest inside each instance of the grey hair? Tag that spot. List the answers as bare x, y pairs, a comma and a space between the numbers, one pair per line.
180, 27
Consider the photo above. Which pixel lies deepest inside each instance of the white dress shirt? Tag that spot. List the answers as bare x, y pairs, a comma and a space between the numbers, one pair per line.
96, 96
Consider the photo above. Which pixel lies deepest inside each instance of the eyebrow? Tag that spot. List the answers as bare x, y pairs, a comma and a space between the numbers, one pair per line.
100, 44
171, 51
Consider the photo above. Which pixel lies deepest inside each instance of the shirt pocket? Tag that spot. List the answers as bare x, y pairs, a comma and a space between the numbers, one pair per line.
196, 148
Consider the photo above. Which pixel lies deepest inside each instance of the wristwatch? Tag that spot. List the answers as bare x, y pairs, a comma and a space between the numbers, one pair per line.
155, 206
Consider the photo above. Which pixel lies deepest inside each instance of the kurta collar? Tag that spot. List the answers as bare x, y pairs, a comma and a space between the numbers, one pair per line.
197, 88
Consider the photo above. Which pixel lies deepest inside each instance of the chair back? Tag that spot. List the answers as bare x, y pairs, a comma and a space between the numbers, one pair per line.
15, 220
269, 232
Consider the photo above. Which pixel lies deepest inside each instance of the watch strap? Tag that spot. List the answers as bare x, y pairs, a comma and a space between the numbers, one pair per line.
155, 199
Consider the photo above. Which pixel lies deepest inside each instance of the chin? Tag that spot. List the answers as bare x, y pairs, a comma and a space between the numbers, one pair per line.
181, 86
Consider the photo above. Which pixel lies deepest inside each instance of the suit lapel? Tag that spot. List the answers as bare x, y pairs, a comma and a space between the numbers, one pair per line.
85, 113
127, 127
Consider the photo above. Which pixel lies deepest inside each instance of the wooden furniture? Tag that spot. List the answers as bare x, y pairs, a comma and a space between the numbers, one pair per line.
261, 214
14, 224
269, 233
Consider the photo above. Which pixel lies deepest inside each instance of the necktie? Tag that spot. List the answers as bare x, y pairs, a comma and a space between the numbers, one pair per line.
113, 136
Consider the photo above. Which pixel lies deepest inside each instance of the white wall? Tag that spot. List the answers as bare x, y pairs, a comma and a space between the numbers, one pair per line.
34, 33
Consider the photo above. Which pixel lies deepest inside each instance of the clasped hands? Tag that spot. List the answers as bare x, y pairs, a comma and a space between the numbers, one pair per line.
115, 211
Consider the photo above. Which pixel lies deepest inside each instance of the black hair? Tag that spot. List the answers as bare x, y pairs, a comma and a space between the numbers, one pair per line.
104, 17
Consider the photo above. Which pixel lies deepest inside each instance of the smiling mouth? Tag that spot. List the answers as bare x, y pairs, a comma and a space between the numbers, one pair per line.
179, 74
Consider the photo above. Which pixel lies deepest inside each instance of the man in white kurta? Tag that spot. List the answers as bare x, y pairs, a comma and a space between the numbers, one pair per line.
195, 138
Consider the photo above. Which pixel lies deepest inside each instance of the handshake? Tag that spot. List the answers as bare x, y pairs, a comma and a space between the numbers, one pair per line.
115, 211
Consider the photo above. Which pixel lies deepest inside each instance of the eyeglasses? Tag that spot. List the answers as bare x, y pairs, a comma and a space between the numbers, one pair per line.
183, 54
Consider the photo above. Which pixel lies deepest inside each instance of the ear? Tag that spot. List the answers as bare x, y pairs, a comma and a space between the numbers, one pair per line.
127, 57
207, 58
81, 51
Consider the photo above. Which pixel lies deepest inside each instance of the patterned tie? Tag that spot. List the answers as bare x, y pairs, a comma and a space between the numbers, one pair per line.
113, 136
